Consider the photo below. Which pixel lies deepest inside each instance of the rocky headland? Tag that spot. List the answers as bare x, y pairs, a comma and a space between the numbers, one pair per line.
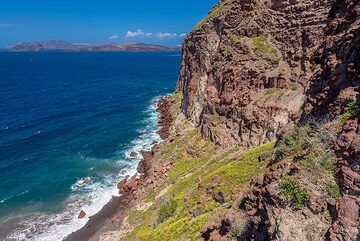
61, 45
261, 140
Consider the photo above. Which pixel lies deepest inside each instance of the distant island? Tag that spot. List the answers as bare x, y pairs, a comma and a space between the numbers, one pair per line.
61, 45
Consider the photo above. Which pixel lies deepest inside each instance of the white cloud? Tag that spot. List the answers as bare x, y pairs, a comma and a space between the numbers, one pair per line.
113, 37
141, 34
166, 35
137, 34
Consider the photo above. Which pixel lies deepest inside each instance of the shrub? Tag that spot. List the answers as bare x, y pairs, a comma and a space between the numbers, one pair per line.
352, 109
294, 86
334, 190
238, 227
343, 118
262, 45
167, 210
294, 141
292, 191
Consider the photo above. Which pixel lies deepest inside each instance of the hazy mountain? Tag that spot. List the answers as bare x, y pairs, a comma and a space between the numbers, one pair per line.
61, 45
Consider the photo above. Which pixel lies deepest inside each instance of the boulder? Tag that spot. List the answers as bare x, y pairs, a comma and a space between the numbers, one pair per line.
219, 197
133, 154
81, 215
121, 184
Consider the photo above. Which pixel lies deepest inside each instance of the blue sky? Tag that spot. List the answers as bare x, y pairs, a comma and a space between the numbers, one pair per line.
94, 21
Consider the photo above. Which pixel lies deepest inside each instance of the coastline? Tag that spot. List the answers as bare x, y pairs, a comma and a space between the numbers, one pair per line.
111, 215
99, 199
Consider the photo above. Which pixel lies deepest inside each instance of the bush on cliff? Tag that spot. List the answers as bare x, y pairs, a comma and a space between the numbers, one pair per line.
167, 210
292, 191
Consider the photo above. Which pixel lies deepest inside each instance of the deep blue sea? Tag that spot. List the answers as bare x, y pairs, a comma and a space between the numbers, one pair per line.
68, 116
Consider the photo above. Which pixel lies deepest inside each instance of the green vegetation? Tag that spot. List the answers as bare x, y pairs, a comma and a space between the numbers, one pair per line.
234, 38
351, 109
223, 7
167, 210
215, 119
344, 117
263, 46
303, 145
150, 195
327, 216
274, 94
294, 86
292, 191
291, 143
188, 206
177, 97
135, 217
334, 190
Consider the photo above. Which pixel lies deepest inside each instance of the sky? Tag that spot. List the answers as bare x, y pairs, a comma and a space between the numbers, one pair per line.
163, 22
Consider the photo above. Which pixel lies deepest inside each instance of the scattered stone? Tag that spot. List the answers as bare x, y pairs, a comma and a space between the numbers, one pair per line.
219, 197
133, 154
263, 156
197, 212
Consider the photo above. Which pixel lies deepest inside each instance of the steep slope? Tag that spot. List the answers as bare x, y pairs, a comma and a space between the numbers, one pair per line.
244, 68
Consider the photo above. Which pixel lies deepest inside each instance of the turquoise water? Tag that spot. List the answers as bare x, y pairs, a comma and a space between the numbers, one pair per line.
68, 116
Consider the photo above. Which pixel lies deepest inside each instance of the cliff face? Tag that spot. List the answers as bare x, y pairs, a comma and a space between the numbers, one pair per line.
245, 67
335, 91
252, 70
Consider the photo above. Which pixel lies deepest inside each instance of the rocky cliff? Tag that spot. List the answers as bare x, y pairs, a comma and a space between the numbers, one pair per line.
251, 72
245, 67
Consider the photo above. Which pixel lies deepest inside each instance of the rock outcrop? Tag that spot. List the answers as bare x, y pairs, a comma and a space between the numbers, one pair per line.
245, 67
332, 89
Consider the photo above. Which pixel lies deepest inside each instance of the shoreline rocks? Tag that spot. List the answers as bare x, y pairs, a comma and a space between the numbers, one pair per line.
82, 214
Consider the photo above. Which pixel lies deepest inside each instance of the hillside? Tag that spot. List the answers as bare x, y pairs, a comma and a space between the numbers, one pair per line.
61, 45
262, 137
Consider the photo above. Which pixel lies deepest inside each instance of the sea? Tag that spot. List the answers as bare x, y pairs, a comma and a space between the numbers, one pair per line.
68, 123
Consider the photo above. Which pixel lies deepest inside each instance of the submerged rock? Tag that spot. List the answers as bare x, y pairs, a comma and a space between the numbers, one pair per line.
133, 154
87, 180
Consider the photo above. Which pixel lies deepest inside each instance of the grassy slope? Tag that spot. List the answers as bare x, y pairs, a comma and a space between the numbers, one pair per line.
179, 208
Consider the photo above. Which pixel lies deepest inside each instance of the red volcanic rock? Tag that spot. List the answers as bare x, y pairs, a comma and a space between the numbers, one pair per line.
131, 184
237, 193
116, 218
317, 204
216, 236
165, 118
121, 184
237, 92
350, 179
82, 214
346, 225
